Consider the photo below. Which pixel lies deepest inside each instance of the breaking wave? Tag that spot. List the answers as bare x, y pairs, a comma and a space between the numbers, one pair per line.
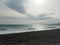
4, 29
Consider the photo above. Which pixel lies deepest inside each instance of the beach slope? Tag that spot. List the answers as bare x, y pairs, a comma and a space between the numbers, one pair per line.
47, 37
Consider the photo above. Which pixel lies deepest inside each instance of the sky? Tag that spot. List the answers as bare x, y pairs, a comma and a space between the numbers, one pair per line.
29, 11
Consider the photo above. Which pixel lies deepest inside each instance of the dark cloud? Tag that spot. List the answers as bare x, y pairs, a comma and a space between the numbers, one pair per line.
41, 17
16, 5
44, 16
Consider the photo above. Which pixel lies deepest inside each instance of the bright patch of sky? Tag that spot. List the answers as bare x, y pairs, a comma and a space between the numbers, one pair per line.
29, 11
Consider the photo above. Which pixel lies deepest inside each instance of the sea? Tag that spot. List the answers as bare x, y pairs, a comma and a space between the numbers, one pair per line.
21, 28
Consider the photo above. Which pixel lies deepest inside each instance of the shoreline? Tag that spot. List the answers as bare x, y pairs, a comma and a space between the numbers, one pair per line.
46, 37
22, 31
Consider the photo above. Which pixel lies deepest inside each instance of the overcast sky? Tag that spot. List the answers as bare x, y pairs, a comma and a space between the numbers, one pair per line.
29, 11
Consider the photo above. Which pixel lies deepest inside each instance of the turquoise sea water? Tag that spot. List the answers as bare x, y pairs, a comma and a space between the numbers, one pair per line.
9, 28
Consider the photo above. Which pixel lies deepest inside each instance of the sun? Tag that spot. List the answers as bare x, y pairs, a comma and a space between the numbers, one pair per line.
37, 2
34, 6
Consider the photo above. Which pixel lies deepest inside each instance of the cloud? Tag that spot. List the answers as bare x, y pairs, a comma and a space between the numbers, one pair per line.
42, 17
21, 11
6, 11
16, 5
